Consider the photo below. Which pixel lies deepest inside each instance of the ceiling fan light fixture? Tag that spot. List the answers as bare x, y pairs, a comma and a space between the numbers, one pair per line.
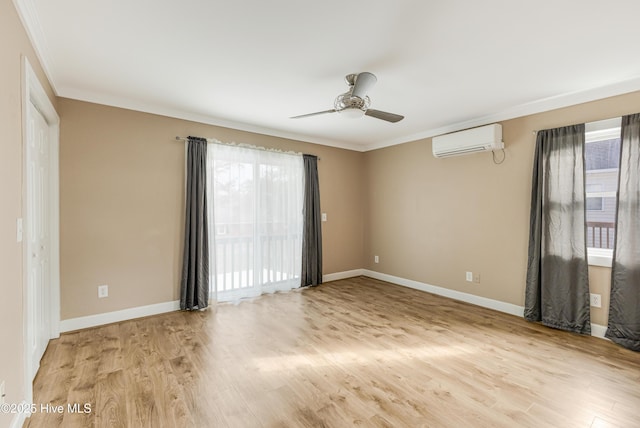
352, 112
350, 106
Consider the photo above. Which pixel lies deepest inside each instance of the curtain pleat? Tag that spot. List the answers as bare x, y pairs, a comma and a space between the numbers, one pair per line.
624, 307
194, 286
557, 288
312, 229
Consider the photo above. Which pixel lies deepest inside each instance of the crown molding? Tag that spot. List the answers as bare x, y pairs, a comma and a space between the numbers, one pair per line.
128, 104
534, 107
29, 16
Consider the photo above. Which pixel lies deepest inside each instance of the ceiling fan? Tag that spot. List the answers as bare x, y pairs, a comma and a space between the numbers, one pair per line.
355, 102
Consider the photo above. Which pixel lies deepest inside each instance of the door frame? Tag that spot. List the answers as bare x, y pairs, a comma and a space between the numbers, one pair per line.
34, 93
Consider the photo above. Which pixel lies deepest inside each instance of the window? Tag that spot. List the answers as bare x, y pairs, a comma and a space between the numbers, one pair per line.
602, 160
594, 203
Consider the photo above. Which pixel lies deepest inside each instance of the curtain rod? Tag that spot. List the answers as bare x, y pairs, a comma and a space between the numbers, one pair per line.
246, 146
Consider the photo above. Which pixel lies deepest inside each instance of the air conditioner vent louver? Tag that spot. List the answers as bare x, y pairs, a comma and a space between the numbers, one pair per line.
474, 140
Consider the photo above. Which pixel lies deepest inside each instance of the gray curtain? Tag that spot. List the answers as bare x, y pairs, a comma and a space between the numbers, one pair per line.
557, 289
624, 307
194, 287
312, 229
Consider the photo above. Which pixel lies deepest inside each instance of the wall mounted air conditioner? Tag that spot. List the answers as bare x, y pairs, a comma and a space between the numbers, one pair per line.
474, 140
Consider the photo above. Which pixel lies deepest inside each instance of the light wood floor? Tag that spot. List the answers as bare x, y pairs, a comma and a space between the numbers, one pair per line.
357, 352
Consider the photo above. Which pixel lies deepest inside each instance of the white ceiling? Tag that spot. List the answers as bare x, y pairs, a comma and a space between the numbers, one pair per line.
248, 64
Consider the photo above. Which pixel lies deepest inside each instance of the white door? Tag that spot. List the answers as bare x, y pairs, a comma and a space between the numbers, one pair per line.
38, 236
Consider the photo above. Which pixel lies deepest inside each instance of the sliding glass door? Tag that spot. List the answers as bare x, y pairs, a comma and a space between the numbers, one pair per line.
256, 212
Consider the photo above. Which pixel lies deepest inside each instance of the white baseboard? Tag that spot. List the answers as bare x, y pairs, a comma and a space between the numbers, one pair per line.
598, 330
452, 294
160, 308
117, 316
73, 324
342, 275
20, 418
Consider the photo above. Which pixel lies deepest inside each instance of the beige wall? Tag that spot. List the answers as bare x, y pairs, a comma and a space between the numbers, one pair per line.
14, 44
121, 198
431, 220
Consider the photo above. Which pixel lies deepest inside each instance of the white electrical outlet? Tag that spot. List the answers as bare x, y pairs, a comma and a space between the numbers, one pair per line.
470, 276
103, 291
596, 300
376, 259
324, 216
2, 393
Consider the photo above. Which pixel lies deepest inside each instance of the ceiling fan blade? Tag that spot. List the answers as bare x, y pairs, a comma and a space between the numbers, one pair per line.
389, 117
313, 114
364, 82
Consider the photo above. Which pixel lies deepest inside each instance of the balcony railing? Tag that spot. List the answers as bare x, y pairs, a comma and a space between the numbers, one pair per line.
600, 234
235, 260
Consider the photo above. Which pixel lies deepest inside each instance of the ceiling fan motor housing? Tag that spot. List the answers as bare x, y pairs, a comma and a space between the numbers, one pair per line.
347, 101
